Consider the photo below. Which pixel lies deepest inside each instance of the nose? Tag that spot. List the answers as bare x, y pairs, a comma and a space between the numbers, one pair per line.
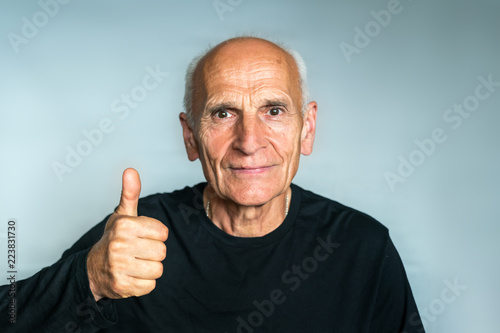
250, 134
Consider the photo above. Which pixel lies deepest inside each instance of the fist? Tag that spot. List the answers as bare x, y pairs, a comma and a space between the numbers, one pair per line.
127, 260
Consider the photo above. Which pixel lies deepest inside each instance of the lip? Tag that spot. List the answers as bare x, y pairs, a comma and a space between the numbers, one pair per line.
251, 170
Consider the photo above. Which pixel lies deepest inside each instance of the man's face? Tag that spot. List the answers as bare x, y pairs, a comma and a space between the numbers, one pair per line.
249, 130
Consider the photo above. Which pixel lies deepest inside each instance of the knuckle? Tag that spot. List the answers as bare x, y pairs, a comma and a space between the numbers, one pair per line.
115, 246
123, 224
119, 287
115, 271
114, 266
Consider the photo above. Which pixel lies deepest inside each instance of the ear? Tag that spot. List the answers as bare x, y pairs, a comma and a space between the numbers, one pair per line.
189, 138
308, 129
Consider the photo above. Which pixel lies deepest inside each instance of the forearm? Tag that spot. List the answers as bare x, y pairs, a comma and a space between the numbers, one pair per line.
56, 299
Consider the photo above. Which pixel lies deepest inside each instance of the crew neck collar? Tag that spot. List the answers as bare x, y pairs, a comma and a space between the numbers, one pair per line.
269, 238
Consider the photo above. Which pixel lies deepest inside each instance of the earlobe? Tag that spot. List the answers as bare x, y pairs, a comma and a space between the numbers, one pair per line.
308, 129
189, 138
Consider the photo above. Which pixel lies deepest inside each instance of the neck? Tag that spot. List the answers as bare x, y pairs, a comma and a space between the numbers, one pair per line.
246, 221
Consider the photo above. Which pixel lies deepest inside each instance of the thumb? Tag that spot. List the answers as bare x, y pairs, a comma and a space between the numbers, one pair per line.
131, 189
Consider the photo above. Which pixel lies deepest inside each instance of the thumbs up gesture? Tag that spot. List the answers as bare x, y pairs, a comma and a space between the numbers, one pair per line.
126, 261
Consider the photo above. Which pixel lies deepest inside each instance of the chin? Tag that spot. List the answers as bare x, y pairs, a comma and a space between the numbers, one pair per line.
253, 193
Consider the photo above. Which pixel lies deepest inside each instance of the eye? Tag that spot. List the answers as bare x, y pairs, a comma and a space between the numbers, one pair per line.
222, 114
275, 111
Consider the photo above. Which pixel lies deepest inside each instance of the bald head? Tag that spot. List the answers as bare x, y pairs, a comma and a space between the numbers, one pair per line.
241, 55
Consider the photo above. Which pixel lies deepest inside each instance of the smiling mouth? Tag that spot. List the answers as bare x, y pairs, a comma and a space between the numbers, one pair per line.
251, 170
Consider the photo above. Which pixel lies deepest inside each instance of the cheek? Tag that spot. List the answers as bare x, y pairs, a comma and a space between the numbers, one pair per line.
215, 142
286, 139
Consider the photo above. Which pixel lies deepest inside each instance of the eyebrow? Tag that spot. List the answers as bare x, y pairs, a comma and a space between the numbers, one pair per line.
220, 107
228, 105
275, 102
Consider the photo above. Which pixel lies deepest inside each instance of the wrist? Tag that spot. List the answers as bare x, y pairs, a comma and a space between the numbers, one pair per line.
91, 274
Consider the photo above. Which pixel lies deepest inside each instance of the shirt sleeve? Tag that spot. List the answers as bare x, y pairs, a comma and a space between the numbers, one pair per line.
394, 310
58, 298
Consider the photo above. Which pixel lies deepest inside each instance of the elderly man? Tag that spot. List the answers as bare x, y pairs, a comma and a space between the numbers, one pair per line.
248, 251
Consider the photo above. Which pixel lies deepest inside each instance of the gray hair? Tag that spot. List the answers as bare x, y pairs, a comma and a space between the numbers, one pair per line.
193, 65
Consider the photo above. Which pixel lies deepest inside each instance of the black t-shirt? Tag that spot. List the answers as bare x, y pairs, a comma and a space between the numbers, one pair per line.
326, 268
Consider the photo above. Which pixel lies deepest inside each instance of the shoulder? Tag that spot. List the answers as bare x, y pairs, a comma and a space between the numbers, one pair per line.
346, 223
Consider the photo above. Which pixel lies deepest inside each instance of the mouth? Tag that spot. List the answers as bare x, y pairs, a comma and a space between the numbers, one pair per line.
251, 169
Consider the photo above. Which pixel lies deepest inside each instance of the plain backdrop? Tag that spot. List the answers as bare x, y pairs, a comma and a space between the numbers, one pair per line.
383, 84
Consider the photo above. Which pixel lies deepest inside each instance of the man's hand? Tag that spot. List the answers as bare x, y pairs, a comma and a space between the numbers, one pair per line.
127, 259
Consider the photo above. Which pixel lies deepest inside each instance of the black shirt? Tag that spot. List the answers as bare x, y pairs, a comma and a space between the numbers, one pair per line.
326, 268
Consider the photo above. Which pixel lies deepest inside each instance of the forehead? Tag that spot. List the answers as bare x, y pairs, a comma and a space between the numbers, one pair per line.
254, 67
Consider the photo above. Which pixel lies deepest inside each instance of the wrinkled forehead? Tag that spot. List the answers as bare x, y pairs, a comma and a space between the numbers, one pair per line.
247, 66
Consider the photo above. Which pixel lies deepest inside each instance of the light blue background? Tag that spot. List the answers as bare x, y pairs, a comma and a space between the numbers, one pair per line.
443, 218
